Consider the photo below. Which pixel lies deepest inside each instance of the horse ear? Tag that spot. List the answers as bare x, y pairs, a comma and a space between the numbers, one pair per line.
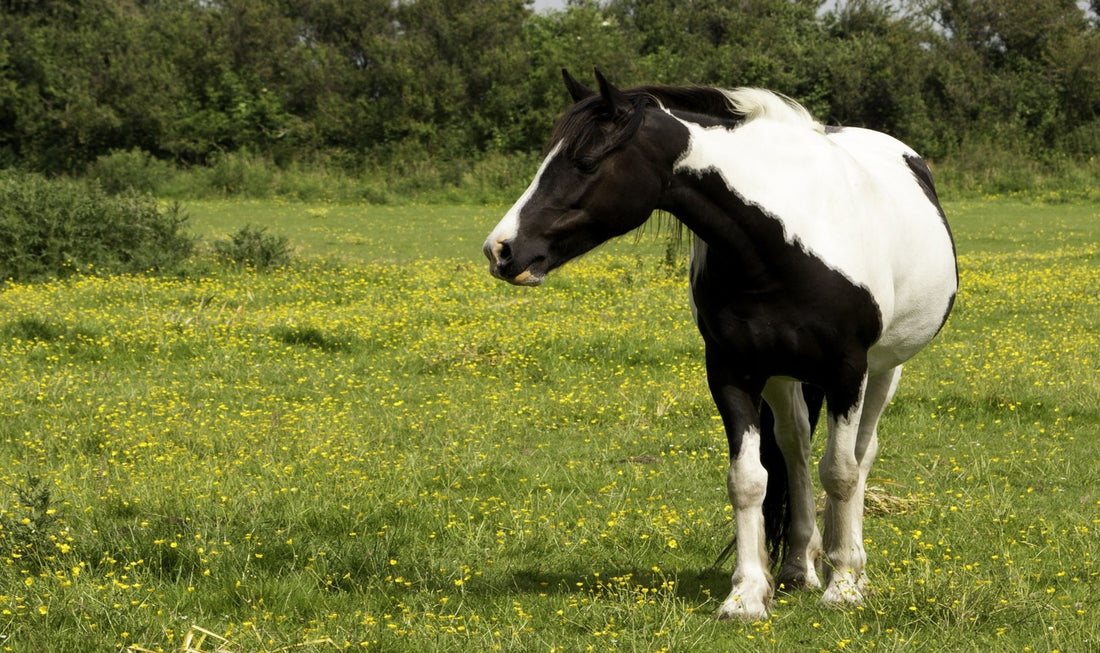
576, 90
612, 96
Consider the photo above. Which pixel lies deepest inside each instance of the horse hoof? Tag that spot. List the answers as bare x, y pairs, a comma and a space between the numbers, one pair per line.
746, 603
797, 581
741, 612
842, 595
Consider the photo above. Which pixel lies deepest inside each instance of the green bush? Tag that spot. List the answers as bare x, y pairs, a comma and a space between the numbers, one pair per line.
253, 247
134, 169
54, 228
27, 532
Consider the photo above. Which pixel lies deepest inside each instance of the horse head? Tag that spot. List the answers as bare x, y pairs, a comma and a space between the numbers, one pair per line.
601, 177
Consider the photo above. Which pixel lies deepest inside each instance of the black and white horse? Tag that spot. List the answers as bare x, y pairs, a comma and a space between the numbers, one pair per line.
821, 262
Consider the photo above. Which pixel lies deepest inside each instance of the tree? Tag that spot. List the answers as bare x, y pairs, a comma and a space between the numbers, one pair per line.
750, 42
1001, 65
872, 68
584, 37
344, 74
453, 79
462, 64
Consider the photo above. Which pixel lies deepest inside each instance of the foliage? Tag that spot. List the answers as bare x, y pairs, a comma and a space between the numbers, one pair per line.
433, 82
400, 453
133, 170
52, 228
253, 247
27, 530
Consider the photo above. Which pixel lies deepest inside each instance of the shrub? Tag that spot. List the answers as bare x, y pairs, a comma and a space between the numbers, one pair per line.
135, 169
253, 247
54, 228
241, 174
27, 531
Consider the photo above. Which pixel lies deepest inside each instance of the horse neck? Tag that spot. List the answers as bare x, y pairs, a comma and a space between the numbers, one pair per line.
704, 204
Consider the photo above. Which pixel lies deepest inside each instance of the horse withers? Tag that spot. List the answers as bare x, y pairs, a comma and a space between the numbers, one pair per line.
821, 262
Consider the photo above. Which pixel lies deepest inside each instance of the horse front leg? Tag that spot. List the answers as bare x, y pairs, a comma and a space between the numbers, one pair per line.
746, 484
852, 446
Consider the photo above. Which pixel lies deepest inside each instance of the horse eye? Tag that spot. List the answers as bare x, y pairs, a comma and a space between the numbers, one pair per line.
587, 165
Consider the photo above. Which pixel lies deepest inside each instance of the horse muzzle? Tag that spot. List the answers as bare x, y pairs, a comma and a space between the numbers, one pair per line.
502, 266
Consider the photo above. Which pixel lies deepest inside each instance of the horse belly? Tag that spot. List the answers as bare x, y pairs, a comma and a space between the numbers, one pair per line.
910, 269
913, 325
924, 283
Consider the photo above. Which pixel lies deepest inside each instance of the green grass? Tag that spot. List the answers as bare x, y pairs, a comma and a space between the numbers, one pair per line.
381, 447
352, 232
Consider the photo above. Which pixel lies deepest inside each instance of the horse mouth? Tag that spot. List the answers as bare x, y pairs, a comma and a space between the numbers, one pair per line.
501, 265
525, 278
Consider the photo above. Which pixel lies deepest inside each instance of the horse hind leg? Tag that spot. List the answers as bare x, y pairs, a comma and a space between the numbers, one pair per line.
852, 446
793, 430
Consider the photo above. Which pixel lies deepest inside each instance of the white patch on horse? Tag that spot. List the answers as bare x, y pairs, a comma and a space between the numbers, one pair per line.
849, 453
918, 244
746, 484
508, 227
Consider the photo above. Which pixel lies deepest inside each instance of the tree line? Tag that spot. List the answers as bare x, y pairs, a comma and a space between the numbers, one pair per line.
348, 80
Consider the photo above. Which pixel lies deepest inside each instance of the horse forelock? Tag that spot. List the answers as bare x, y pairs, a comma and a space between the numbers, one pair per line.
591, 129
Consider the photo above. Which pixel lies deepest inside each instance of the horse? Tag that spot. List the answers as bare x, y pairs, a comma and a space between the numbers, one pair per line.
821, 261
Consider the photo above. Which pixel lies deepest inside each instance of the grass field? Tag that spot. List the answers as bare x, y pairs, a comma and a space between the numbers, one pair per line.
380, 447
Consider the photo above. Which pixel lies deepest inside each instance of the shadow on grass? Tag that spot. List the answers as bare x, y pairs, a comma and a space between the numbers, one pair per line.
695, 586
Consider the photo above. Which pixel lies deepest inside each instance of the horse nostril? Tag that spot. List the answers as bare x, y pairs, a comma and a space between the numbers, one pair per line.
504, 252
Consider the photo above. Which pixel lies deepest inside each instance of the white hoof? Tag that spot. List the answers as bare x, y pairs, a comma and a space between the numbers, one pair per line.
747, 602
843, 592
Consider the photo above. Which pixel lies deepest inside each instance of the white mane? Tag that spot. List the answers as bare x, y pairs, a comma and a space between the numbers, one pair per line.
757, 103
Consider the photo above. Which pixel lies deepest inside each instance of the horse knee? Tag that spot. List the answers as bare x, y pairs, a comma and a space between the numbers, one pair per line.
746, 483
839, 477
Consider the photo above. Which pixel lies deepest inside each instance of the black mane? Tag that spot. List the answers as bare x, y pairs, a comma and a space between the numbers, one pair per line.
704, 100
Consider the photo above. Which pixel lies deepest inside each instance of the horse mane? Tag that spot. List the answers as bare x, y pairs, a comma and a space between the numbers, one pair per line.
579, 130
745, 103
754, 103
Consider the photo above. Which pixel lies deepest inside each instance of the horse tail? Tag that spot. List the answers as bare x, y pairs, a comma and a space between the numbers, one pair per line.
777, 516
